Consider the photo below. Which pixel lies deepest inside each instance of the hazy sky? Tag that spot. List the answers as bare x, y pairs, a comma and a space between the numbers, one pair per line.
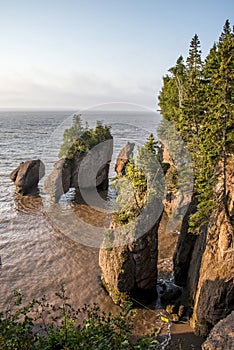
77, 53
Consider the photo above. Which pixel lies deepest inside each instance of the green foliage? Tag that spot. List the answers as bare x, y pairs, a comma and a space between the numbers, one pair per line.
86, 328
151, 145
78, 139
141, 182
198, 98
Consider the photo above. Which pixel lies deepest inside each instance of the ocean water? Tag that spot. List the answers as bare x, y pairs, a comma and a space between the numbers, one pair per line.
36, 257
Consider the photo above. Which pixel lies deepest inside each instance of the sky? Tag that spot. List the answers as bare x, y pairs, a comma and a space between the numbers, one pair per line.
71, 54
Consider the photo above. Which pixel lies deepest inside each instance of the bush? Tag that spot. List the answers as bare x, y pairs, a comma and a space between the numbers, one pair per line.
78, 139
62, 327
142, 182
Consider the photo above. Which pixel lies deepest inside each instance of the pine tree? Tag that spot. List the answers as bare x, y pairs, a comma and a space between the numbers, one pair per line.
151, 145
168, 99
192, 109
204, 115
179, 74
219, 68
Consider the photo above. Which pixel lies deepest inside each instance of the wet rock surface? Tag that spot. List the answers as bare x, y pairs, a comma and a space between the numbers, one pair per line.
27, 176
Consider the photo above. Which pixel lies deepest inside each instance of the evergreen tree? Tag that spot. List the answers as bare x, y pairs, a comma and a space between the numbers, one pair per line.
192, 109
203, 113
169, 99
179, 74
151, 145
78, 140
171, 95
219, 68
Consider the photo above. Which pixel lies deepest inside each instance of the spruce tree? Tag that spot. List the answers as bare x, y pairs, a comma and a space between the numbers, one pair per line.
221, 97
192, 103
204, 115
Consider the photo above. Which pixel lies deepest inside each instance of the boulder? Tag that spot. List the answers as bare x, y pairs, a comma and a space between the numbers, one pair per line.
27, 175
221, 336
171, 294
123, 158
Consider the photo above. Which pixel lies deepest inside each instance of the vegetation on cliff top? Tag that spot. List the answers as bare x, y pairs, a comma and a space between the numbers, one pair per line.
79, 139
140, 183
198, 98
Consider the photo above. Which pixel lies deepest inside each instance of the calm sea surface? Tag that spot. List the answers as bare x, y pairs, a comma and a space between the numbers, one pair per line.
36, 257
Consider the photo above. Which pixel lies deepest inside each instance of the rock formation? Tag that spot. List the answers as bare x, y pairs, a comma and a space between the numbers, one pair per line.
170, 201
130, 270
89, 170
27, 175
204, 264
184, 249
129, 257
123, 158
222, 335
59, 181
214, 296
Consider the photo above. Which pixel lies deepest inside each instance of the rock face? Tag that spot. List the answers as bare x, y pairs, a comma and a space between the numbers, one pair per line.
27, 175
222, 335
184, 249
178, 178
90, 170
170, 200
204, 264
214, 297
59, 181
130, 270
123, 158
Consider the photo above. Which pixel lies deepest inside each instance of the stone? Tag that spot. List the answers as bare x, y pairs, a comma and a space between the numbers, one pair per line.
184, 248
88, 171
172, 309
91, 170
27, 176
221, 336
59, 181
130, 270
214, 296
123, 158
203, 263
171, 293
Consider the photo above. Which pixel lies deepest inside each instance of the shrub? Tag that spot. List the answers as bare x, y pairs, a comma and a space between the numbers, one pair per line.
78, 139
63, 327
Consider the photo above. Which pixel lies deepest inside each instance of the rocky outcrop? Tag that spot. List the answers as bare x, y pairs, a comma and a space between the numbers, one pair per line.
222, 335
59, 181
130, 270
27, 176
179, 184
88, 171
204, 264
214, 296
123, 158
184, 249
